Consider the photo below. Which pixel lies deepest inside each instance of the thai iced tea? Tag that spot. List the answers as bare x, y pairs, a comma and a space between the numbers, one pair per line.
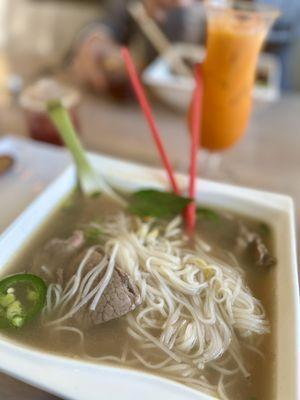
235, 37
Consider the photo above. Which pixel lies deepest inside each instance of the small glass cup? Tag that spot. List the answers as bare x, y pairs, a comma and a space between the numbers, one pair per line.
34, 100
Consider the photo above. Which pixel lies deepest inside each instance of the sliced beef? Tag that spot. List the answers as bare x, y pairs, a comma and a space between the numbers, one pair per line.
93, 260
56, 254
119, 298
65, 248
260, 253
251, 244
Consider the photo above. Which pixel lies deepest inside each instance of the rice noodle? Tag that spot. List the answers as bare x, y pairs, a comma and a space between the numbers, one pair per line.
196, 309
106, 278
70, 329
196, 305
46, 271
81, 287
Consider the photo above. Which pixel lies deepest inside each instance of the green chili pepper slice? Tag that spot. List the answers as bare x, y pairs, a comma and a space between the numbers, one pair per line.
22, 297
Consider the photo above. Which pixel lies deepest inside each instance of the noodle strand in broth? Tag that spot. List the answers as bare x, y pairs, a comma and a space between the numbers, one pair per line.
196, 310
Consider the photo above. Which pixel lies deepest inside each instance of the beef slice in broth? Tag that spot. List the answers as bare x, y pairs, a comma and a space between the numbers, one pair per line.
253, 246
58, 262
119, 298
56, 255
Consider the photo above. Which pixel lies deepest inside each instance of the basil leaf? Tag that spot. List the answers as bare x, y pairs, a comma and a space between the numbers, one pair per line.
207, 213
155, 203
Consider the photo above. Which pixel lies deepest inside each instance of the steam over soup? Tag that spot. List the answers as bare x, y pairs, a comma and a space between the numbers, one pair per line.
136, 291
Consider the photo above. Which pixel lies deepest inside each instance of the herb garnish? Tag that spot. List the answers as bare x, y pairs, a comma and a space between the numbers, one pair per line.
90, 181
155, 203
207, 213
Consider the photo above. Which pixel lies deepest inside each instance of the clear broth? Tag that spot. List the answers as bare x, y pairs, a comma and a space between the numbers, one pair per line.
111, 337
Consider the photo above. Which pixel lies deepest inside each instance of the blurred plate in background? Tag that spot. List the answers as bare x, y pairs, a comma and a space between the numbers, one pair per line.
176, 90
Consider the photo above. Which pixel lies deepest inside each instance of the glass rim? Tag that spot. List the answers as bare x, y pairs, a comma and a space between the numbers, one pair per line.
244, 7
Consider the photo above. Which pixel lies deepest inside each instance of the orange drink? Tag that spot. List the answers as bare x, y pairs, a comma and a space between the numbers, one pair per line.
235, 35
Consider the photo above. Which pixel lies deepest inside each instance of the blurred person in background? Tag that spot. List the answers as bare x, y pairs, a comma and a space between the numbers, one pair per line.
96, 51
283, 36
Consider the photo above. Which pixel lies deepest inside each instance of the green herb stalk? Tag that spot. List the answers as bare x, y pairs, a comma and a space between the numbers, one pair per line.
90, 181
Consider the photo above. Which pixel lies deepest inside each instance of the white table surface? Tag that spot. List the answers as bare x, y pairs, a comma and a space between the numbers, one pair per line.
35, 166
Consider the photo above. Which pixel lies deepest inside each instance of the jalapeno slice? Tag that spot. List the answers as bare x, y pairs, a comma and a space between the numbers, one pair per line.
22, 297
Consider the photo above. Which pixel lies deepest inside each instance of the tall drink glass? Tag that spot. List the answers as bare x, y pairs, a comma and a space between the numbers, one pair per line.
235, 34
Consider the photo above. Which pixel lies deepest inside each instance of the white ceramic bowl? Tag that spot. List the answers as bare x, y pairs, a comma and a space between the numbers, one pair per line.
75, 379
176, 90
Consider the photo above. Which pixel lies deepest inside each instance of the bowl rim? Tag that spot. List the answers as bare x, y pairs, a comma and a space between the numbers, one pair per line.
136, 175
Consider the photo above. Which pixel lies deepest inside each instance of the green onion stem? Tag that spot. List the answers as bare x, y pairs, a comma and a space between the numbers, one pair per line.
90, 181
62, 121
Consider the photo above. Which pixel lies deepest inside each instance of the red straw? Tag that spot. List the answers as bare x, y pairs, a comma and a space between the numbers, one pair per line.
195, 143
141, 96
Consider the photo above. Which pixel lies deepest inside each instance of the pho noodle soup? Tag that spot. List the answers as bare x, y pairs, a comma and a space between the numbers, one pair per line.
109, 285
